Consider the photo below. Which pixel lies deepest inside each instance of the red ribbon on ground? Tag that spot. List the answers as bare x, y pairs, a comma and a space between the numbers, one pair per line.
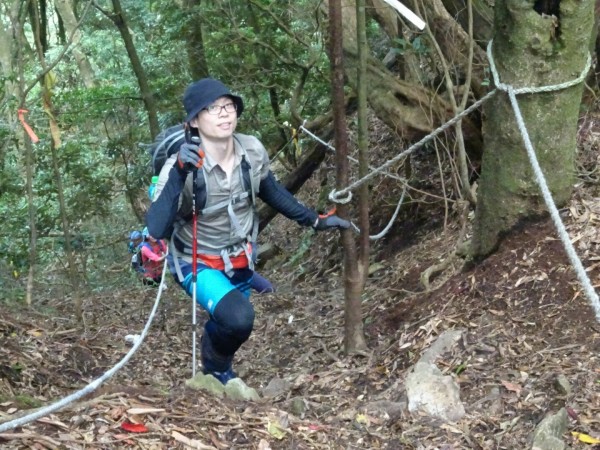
26, 126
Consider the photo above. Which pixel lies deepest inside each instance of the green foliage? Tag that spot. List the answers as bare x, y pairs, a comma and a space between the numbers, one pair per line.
417, 46
261, 48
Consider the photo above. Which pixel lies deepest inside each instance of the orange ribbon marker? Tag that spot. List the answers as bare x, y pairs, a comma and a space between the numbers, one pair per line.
28, 129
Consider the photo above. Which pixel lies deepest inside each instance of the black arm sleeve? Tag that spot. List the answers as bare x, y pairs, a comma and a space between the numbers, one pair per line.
277, 197
162, 212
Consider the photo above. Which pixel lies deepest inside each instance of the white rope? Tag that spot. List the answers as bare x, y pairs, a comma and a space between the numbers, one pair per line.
535, 90
388, 227
94, 384
560, 228
539, 175
334, 195
354, 160
315, 137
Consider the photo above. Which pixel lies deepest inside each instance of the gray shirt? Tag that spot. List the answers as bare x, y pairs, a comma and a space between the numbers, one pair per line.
215, 229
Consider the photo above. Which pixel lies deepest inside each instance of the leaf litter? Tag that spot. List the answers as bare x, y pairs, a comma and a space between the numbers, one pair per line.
526, 318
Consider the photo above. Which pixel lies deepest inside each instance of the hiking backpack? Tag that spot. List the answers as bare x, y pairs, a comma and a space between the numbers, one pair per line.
168, 142
136, 259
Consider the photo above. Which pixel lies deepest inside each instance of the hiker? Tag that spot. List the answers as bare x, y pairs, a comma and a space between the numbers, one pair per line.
234, 168
153, 253
135, 241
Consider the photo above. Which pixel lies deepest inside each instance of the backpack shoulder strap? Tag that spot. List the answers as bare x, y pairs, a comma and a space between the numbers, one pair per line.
247, 178
201, 190
253, 188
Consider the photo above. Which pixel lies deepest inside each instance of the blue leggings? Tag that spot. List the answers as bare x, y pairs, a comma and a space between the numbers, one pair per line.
231, 315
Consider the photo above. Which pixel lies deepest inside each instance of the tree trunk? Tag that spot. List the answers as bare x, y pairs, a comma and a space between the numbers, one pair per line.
11, 86
47, 85
70, 254
410, 110
65, 9
532, 47
194, 42
483, 17
17, 25
353, 336
7, 37
364, 245
118, 18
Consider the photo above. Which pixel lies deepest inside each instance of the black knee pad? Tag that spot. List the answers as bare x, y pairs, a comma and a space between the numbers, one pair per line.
234, 315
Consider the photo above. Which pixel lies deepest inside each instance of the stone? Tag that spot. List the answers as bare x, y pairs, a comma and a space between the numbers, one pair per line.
548, 433
206, 383
236, 389
434, 394
276, 387
562, 385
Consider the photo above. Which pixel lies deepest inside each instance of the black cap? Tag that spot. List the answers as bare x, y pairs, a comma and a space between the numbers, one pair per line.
203, 93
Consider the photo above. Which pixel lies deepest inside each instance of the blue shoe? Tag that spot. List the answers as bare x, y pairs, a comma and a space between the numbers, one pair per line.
223, 377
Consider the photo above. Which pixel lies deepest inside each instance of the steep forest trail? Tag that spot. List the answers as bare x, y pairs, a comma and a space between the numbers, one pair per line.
525, 320
526, 324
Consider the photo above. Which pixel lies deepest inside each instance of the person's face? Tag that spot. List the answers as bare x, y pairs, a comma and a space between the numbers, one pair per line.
218, 120
150, 238
137, 242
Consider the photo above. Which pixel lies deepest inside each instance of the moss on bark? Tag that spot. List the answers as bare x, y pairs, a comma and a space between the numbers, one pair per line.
531, 48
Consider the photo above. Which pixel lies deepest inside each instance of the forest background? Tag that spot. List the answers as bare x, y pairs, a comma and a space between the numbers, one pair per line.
101, 79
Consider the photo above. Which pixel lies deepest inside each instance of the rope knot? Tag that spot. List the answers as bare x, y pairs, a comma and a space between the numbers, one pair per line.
334, 196
533, 90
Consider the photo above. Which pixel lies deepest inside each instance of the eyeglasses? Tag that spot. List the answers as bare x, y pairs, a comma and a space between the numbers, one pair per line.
216, 109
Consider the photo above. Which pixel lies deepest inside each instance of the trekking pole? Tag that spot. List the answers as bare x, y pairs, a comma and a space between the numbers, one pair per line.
194, 271
194, 266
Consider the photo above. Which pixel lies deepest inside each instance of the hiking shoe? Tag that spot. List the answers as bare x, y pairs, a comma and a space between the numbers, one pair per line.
223, 377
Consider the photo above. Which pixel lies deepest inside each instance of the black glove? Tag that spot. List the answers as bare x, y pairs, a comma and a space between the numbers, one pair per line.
330, 220
189, 158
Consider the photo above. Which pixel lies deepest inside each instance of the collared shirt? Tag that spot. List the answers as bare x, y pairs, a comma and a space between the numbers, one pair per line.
215, 230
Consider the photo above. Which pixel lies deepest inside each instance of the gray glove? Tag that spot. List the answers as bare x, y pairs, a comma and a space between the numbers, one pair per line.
330, 220
189, 158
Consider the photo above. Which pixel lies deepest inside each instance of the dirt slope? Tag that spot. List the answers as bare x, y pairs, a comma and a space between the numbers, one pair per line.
525, 317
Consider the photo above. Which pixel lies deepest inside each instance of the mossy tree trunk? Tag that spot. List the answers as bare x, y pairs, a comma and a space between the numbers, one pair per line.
65, 10
535, 44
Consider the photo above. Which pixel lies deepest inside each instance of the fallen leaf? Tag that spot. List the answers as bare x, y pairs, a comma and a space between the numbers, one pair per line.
514, 387
362, 419
134, 427
193, 443
144, 410
275, 431
586, 438
571, 412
